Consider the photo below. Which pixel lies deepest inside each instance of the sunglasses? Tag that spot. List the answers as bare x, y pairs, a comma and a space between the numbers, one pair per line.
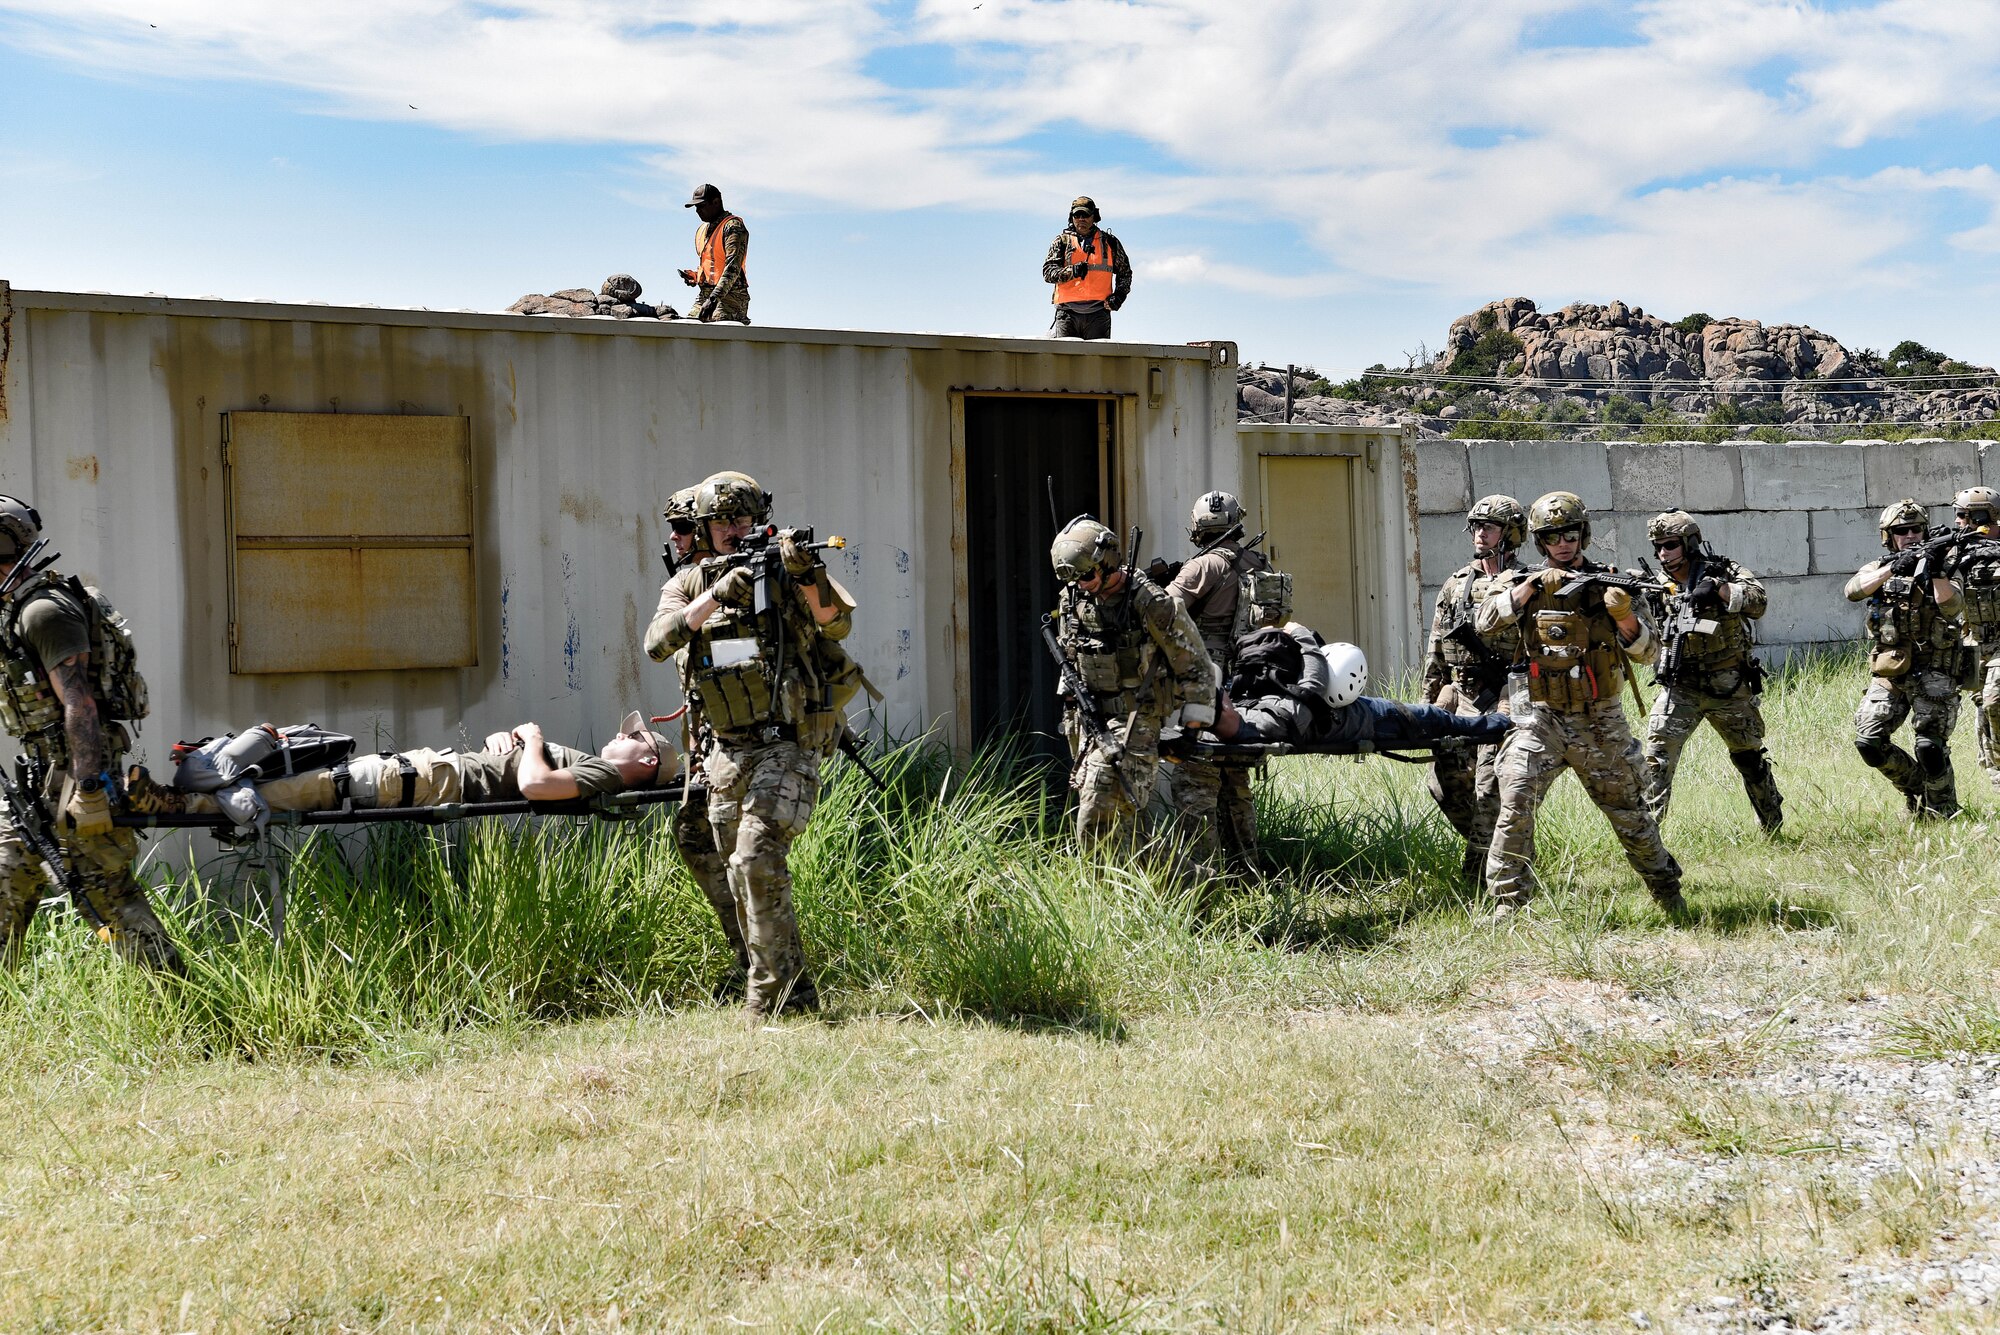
646, 736
1082, 213
685, 527
1667, 545
1905, 530
1563, 535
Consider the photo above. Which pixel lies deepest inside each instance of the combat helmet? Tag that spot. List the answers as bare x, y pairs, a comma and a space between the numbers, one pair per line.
1674, 524
1901, 514
1504, 511
1555, 512
1975, 502
681, 518
1214, 515
1082, 548
20, 525
731, 495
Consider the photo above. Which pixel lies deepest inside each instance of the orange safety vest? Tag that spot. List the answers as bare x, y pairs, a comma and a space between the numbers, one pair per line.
711, 254
1095, 285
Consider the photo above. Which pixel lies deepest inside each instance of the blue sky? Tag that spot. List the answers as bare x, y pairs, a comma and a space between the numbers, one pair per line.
1325, 182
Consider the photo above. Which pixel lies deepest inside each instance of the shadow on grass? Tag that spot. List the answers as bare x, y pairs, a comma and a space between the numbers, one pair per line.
1733, 913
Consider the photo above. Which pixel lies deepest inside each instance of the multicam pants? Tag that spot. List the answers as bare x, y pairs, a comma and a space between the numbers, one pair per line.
694, 837
1112, 796
104, 864
1597, 744
1466, 787
760, 796
1216, 808
1929, 699
1986, 699
1738, 719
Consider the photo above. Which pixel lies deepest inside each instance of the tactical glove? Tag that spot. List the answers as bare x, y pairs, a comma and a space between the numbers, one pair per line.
1551, 579
735, 587
1907, 561
1115, 302
1707, 592
799, 559
88, 813
1618, 603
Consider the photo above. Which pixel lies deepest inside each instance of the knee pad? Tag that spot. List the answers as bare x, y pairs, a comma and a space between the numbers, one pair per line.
1751, 764
1874, 751
1932, 756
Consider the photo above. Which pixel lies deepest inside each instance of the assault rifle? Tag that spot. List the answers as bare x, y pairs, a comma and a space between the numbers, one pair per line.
762, 550
1162, 571
1073, 686
22, 790
1940, 543
1649, 585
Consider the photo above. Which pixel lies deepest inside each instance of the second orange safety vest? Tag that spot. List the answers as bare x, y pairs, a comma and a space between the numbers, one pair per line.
1095, 285
711, 253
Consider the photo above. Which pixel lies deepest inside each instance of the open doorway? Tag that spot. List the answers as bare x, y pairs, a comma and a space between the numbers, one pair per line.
1032, 463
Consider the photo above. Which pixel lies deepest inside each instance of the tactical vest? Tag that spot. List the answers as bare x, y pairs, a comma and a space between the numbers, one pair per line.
1977, 572
734, 681
1264, 598
1473, 675
1731, 643
1573, 655
29, 708
1909, 632
1111, 648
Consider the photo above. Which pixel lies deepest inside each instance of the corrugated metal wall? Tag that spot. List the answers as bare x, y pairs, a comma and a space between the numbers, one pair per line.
111, 423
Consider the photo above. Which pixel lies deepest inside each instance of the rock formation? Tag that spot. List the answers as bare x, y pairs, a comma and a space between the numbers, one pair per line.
1584, 360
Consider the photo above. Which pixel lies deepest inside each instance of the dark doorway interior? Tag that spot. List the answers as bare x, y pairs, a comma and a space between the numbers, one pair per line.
1013, 448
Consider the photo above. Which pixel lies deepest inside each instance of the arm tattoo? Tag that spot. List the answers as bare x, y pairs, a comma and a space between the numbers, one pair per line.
71, 679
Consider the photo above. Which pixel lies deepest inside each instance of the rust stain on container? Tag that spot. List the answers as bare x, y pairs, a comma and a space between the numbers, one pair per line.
583, 509
83, 469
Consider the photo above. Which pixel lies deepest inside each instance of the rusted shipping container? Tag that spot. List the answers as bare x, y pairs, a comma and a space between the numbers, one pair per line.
419, 526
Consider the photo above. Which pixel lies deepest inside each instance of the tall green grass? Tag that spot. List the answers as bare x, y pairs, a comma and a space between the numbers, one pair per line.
955, 891
958, 892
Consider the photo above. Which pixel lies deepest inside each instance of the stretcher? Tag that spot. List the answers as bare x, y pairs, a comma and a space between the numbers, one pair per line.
1253, 753
627, 805
622, 806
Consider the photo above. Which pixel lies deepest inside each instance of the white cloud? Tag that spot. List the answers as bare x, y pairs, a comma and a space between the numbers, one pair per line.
1413, 142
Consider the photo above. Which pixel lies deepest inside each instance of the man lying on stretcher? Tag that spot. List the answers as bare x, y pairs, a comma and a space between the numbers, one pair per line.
513, 765
1291, 686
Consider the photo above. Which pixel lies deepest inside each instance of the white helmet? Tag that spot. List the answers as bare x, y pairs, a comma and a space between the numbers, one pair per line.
1349, 667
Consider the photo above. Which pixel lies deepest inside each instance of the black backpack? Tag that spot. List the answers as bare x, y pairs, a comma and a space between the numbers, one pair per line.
1269, 661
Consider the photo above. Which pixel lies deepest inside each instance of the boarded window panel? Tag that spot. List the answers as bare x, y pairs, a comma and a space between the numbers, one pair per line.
351, 542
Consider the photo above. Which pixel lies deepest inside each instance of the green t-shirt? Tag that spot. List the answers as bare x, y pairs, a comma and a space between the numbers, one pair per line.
54, 628
486, 776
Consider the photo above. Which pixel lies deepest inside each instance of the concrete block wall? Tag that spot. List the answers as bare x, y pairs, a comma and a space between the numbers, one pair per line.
1801, 515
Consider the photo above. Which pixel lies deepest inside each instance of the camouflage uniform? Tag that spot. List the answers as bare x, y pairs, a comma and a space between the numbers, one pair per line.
1214, 802
1717, 678
762, 765
1567, 715
1462, 778
728, 297
1141, 658
34, 716
1916, 663
1975, 569
694, 838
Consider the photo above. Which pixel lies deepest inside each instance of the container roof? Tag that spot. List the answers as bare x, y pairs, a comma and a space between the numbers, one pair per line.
217, 308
